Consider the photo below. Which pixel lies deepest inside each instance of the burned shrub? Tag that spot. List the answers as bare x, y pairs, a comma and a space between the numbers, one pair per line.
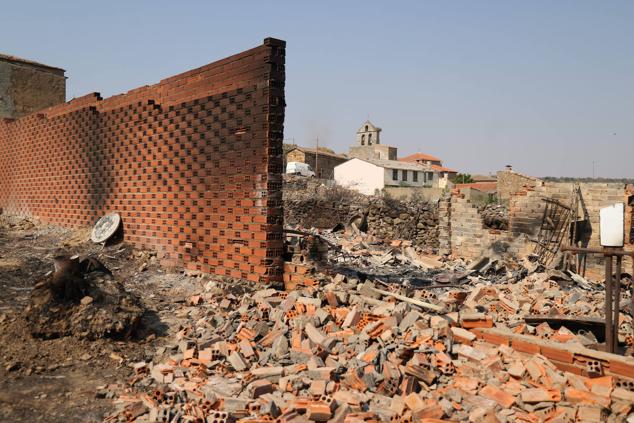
82, 299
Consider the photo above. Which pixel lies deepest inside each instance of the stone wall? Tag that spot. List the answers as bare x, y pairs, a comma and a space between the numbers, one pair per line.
405, 193
415, 220
509, 183
311, 203
318, 203
27, 87
374, 151
193, 164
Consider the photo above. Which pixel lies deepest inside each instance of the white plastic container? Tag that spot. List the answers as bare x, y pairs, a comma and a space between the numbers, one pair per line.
612, 225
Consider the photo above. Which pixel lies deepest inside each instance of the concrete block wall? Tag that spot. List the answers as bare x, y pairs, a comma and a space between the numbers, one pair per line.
469, 238
599, 195
527, 209
462, 232
193, 164
444, 225
467, 233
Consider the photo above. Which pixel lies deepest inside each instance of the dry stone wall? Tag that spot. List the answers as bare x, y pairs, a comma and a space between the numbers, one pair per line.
310, 202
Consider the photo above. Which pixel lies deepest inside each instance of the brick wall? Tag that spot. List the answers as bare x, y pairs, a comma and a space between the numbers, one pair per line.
193, 164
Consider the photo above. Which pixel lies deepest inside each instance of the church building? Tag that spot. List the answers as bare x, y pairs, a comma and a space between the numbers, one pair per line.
368, 145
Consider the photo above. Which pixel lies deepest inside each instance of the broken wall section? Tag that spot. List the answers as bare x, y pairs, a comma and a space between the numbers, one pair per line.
527, 209
463, 233
509, 183
193, 164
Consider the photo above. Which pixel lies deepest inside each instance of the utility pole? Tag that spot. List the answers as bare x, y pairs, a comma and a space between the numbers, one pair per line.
593, 172
317, 159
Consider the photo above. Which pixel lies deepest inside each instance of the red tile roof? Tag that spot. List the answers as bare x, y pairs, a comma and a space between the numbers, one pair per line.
443, 169
419, 156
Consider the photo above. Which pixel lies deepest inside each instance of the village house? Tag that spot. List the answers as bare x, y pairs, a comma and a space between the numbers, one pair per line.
322, 162
370, 176
374, 166
428, 162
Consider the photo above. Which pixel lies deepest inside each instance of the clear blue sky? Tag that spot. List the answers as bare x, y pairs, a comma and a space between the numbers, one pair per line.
547, 86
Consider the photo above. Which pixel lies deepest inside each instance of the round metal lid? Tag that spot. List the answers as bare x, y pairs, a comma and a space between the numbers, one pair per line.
105, 227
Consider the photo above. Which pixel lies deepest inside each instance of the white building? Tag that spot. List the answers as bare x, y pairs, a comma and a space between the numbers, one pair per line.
445, 175
368, 176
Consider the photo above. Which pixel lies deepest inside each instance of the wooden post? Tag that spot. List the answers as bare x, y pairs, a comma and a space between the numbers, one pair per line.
317, 160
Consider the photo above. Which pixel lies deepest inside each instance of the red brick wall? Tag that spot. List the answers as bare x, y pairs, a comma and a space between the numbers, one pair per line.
193, 164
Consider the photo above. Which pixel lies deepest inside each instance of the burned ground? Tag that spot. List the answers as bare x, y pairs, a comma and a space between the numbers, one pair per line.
375, 330
374, 325
57, 379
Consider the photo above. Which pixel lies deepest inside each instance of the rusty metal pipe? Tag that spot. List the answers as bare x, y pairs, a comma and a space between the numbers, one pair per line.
617, 301
609, 328
604, 251
612, 290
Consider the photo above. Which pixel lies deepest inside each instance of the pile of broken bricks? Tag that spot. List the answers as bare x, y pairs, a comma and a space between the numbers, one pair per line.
347, 351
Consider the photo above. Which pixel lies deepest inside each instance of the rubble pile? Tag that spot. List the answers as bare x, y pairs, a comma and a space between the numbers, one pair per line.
495, 216
353, 351
15, 223
82, 299
310, 204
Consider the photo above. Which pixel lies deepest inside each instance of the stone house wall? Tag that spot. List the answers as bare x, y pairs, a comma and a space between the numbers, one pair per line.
27, 87
509, 183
